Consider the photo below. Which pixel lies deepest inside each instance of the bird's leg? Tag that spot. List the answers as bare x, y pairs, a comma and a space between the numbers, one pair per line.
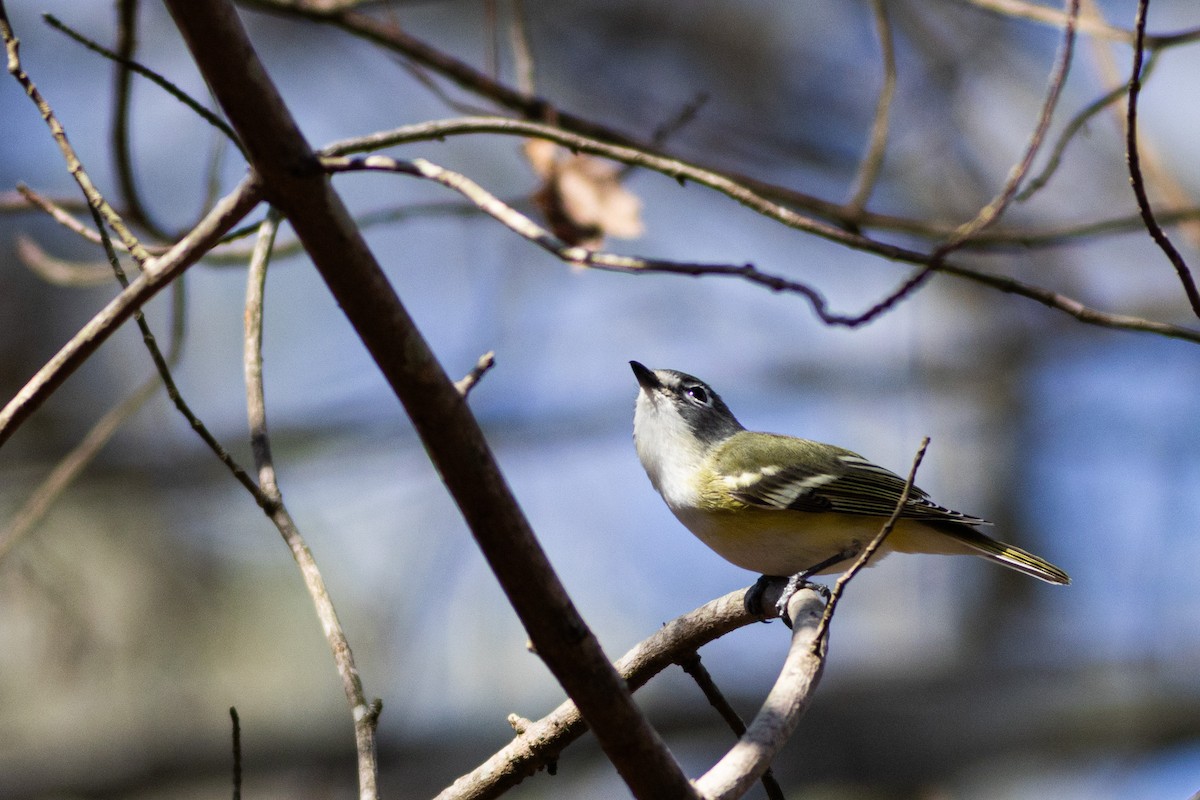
801, 581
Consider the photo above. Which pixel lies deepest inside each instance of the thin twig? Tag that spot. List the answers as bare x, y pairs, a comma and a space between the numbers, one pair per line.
691, 664
60, 215
1072, 128
1023, 9
156, 275
74, 166
468, 381
158, 80
993, 210
237, 753
868, 170
164, 371
839, 588
122, 58
365, 715
582, 256
1135, 168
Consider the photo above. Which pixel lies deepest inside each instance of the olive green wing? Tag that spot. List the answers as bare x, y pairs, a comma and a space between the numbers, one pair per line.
788, 474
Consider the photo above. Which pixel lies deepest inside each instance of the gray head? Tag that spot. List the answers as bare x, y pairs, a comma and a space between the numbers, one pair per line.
680, 400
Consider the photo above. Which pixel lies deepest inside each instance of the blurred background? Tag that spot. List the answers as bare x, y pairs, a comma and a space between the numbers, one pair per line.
155, 595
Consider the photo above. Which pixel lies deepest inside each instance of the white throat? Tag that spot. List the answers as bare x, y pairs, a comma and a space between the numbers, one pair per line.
668, 449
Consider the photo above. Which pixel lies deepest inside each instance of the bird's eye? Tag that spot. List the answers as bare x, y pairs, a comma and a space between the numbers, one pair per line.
698, 394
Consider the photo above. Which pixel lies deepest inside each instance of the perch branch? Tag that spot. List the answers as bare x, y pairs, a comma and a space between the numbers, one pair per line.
538, 744
744, 764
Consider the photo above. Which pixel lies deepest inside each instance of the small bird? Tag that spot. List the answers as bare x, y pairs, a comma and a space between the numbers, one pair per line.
783, 506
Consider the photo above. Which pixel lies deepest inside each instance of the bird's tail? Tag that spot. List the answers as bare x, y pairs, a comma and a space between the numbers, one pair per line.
1008, 555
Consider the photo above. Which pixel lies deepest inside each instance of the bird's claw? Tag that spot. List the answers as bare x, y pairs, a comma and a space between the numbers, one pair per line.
795, 584
753, 600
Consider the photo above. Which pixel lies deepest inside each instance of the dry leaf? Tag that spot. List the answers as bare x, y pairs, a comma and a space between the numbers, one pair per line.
582, 197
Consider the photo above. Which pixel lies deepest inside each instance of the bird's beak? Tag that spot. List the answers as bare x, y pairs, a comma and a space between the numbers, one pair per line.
645, 377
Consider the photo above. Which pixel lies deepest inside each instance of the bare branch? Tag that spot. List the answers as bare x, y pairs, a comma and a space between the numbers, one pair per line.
868, 552
74, 165
294, 181
1024, 9
775, 722
538, 743
1135, 169
465, 384
156, 274
992, 211
692, 665
365, 715
868, 170
128, 65
585, 257
578, 255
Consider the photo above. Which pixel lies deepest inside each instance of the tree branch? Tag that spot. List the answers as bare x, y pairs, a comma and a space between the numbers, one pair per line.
295, 183
1135, 169
156, 274
365, 715
787, 701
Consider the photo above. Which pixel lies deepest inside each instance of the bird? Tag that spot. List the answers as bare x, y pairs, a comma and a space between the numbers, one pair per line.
787, 507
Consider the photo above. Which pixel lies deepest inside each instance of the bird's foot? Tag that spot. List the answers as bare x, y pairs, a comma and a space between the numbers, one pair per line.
794, 584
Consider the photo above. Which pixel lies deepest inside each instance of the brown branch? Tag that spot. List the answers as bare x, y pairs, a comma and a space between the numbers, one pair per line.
294, 181
12, 47
538, 744
872, 162
1135, 169
62, 216
993, 210
13, 202
1023, 9
822, 641
391, 37
585, 257
1077, 124
581, 256
695, 669
365, 715
119, 139
156, 274
746, 762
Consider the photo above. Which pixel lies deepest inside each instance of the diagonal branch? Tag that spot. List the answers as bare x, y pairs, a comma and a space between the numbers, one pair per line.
294, 181
993, 210
156, 274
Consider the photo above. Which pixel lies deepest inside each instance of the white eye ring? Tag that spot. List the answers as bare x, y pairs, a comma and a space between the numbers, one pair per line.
698, 395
